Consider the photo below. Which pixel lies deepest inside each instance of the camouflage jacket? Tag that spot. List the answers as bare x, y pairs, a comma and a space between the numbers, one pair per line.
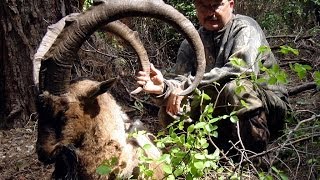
240, 38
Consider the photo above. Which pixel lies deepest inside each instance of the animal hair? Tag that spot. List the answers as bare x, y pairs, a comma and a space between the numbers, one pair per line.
87, 126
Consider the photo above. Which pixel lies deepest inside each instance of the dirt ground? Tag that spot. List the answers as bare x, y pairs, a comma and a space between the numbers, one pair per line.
18, 159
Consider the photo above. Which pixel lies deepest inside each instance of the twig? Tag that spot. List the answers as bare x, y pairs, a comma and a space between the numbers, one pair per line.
299, 161
221, 152
286, 62
293, 130
99, 52
280, 147
301, 88
290, 36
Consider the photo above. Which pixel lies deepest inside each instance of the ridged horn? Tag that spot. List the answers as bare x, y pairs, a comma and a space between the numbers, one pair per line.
70, 40
132, 37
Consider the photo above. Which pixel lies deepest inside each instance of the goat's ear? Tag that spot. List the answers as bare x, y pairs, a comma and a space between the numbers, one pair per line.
101, 88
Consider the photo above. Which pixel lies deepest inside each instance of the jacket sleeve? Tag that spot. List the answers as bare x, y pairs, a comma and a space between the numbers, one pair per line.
245, 43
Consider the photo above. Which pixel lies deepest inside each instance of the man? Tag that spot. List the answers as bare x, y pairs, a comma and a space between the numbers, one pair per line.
225, 36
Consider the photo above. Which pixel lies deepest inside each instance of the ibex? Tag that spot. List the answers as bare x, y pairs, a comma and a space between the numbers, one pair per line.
80, 125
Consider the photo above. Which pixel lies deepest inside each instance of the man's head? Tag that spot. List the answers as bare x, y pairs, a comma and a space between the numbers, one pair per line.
213, 15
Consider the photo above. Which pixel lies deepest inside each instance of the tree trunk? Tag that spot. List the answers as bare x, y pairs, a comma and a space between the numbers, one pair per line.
23, 24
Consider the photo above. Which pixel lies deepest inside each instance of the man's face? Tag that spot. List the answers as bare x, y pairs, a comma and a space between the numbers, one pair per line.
213, 15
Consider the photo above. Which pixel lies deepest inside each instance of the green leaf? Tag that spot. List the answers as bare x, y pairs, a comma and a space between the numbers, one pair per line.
103, 170
225, 116
244, 103
216, 154
199, 165
167, 168
210, 127
282, 77
283, 176
288, 49
200, 125
263, 176
263, 49
272, 80
237, 62
114, 161
317, 78
148, 172
160, 144
147, 146
171, 177
240, 89
178, 171
206, 97
202, 141
182, 139
301, 70
164, 158
214, 134
275, 68
261, 80
209, 164
190, 128
215, 119
199, 156
234, 119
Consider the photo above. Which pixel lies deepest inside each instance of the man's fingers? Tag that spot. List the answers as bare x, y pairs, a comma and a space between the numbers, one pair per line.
173, 104
153, 70
142, 83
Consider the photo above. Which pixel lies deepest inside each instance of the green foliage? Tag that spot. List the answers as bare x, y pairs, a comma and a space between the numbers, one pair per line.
87, 4
237, 62
300, 69
280, 173
271, 21
317, 78
187, 8
287, 49
106, 167
274, 75
286, 16
186, 154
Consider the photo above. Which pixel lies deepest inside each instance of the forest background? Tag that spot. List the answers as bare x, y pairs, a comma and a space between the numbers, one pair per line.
290, 24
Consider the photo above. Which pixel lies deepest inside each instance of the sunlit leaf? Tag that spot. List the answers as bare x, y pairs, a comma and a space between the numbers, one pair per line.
288, 49
244, 103
272, 80
237, 62
199, 165
200, 125
206, 97
234, 119
199, 156
317, 78
167, 168
263, 49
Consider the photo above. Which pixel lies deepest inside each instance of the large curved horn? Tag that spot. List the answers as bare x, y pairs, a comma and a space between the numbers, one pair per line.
63, 53
132, 37
115, 27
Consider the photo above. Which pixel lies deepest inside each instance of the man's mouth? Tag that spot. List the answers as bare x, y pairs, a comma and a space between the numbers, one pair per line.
212, 18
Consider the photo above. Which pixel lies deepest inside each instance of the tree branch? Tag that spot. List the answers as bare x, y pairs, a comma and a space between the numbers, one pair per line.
298, 89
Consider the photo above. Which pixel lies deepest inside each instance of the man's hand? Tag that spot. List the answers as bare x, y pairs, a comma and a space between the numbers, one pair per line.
155, 85
152, 83
174, 102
